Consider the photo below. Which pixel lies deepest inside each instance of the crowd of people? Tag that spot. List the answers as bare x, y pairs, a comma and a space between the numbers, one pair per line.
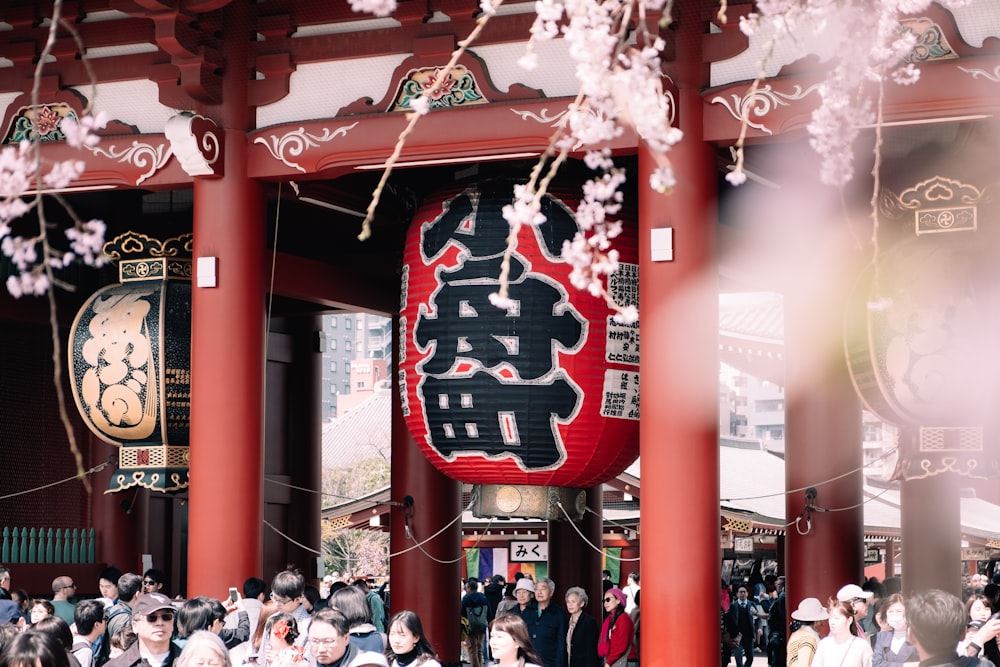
558, 635
136, 624
871, 625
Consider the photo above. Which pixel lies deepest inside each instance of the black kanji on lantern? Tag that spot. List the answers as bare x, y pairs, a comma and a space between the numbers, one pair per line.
491, 384
482, 414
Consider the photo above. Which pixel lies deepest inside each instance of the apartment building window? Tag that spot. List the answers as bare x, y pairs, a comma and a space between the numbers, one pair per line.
333, 366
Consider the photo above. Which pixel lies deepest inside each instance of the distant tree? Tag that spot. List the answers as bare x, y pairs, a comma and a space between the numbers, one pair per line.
356, 552
347, 483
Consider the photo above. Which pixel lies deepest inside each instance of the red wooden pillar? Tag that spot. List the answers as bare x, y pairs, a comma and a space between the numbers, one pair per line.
679, 330
823, 426
425, 579
932, 533
117, 523
227, 350
574, 562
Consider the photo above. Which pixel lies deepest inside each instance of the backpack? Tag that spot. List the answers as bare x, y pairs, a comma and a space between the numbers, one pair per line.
478, 618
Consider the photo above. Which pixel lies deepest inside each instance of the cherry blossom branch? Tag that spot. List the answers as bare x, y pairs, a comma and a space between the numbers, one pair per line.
421, 106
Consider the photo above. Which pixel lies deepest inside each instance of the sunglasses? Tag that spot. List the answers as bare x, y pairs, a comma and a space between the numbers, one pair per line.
609, 599
165, 616
148, 583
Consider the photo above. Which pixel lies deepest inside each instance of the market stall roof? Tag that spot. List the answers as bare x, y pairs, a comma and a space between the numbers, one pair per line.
752, 482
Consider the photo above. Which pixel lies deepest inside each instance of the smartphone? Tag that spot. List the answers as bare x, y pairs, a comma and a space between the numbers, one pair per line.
233, 594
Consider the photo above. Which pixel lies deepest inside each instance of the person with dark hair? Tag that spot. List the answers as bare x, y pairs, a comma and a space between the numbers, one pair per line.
153, 623
892, 646
288, 591
7, 633
408, 645
510, 643
937, 621
122, 640
777, 626
88, 617
606, 583
55, 626
312, 597
858, 598
843, 647
981, 632
120, 613
615, 640
329, 639
352, 602
107, 583
740, 619
281, 631
34, 649
374, 603
193, 615
153, 581
41, 609
475, 608
494, 593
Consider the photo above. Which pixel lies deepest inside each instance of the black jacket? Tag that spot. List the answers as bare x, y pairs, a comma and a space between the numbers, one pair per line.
583, 643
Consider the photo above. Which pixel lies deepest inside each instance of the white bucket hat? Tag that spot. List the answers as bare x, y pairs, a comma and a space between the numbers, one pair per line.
810, 609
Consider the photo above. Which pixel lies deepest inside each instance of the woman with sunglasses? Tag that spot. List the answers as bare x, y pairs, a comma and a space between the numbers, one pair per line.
616, 634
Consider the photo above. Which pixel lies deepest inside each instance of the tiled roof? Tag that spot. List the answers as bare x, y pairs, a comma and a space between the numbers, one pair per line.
362, 433
758, 318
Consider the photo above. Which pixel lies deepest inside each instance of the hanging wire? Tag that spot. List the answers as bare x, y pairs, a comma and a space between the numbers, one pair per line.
298, 544
462, 556
613, 523
867, 500
418, 545
93, 470
583, 537
827, 481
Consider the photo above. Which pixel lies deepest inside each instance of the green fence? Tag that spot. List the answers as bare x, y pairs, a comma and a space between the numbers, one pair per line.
47, 545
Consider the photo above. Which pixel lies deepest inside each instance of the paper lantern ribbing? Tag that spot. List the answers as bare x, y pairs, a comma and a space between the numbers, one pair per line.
130, 362
545, 392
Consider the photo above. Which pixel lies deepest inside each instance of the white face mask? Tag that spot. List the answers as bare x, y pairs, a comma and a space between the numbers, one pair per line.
897, 621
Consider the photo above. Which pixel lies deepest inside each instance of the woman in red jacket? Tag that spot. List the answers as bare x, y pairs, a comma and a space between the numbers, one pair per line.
616, 633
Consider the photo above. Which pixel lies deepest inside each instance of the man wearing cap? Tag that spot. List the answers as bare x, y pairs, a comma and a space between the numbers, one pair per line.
153, 623
524, 593
803, 642
859, 600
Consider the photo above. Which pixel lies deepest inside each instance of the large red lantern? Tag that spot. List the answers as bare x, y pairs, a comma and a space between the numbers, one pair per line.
545, 392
